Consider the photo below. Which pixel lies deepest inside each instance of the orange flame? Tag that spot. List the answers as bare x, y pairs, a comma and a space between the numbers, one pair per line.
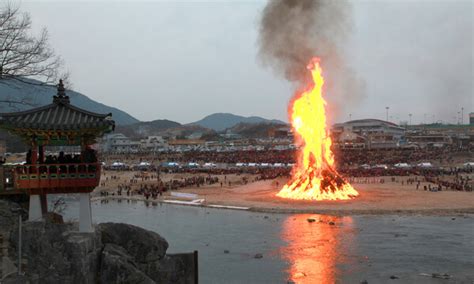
314, 176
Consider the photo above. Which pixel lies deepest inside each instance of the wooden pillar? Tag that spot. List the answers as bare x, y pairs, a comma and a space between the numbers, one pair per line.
34, 153
34, 156
44, 203
3, 183
83, 149
41, 154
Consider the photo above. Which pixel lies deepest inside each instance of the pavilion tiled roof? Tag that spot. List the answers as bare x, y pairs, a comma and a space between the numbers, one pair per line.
58, 116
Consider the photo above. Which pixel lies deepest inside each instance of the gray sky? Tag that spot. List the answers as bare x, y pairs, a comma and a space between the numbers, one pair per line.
184, 60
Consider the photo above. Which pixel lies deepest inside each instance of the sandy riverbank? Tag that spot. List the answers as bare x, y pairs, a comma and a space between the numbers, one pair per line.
387, 198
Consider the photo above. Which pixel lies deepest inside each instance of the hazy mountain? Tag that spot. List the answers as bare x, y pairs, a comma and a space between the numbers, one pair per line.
36, 95
222, 121
147, 128
254, 130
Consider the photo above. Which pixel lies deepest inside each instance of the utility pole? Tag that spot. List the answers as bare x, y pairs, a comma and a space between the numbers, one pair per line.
387, 108
19, 244
462, 115
410, 117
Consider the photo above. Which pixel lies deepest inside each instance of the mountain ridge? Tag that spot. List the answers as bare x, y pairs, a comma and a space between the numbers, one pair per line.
34, 94
31, 93
220, 121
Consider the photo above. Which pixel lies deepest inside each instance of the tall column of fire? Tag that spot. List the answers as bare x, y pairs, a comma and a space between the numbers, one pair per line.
314, 177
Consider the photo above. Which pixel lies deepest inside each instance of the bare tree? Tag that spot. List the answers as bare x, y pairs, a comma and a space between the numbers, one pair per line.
23, 55
12, 103
58, 206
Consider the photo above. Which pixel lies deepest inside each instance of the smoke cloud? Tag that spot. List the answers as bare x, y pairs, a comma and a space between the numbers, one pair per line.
294, 31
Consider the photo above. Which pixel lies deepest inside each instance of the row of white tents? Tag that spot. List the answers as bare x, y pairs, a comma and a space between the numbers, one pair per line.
189, 165
398, 166
147, 165
264, 165
423, 165
238, 165
428, 165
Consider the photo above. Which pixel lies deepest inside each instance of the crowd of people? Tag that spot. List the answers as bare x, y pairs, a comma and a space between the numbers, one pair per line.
393, 156
89, 155
452, 179
350, 165
60, 163
151, 186
344, 157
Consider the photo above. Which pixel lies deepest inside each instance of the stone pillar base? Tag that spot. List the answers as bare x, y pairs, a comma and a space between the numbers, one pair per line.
35, 212
85, 214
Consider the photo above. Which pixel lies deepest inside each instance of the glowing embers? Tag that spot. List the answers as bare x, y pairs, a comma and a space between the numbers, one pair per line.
314, 176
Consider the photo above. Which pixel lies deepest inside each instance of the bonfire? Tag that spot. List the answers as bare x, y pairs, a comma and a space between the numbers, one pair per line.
314, 176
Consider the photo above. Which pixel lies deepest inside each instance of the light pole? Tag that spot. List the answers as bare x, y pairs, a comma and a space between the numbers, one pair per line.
387, 108
462, 115
350, 116
410, 117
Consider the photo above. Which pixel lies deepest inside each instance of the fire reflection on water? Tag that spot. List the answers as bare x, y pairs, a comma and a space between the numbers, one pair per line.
314, 246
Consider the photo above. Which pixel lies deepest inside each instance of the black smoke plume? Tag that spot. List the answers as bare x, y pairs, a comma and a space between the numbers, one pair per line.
294, 31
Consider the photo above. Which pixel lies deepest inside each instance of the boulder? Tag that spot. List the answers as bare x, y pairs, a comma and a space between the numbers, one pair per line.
119, 267
57, 252
114, 253
147, 250
143, 245
8, 215
176, 269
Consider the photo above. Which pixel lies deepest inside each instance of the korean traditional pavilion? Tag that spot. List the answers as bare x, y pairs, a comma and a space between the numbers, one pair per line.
57, 124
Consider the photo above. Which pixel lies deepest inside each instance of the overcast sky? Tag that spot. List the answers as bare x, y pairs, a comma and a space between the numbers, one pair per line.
184, 60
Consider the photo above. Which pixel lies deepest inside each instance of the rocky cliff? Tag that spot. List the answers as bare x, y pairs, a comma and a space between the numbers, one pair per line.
115, 253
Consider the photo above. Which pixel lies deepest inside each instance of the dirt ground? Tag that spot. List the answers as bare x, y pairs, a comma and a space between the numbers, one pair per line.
375, 198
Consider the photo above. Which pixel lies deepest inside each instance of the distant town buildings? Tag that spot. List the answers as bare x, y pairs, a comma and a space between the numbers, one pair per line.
370, 126
354, 134
376, 134
153, 144
119, 143
367, 133
439, 135
280, 132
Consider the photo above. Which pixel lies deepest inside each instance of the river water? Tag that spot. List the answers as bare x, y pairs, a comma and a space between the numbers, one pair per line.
331, 249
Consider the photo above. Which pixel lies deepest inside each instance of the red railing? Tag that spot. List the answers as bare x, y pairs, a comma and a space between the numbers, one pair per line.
56, 176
